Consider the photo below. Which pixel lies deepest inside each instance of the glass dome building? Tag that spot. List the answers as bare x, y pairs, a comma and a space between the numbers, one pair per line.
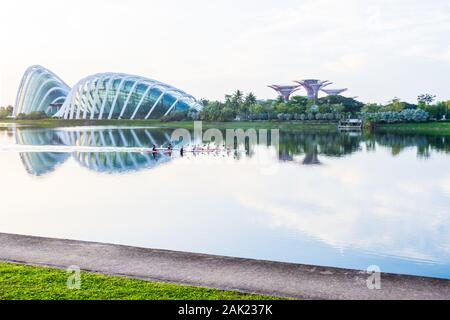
40, 90
101, 96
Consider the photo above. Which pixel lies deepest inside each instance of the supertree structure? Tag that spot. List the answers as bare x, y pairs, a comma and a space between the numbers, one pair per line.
285, 91
334, 92
313, 86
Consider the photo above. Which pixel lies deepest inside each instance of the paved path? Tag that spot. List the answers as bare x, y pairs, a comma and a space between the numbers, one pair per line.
265, 277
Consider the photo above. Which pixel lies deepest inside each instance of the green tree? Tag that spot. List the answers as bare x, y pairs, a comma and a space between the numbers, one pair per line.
371, 108
395, 105
426, 99
282, 108
256, 108
250, 99
6, 112
350, 104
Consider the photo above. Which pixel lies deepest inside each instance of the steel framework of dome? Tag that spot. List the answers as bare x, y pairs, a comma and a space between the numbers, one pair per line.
100, 96
40, 90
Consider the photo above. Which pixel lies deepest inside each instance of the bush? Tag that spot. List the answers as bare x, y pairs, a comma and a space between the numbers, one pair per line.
6, 112
36, 115
3, 114
329, 116
407, 115
176, 116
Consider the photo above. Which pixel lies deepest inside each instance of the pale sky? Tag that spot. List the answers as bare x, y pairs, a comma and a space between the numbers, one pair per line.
377, 48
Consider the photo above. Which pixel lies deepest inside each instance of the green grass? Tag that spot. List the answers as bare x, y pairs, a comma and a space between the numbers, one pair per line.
286, 125
426, 128
22, 282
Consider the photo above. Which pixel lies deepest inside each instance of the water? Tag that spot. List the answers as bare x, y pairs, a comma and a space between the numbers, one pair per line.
343, 200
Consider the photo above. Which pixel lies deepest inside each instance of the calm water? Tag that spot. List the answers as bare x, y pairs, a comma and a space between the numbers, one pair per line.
343, 200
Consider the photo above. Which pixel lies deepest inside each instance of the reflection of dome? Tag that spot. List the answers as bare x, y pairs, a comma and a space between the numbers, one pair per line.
118, 161
100, 96
38, 163
40, 90
42, 162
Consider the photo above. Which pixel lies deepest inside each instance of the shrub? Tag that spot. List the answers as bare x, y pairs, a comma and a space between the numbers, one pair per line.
37, 115
175, 116
407, 115
6, 112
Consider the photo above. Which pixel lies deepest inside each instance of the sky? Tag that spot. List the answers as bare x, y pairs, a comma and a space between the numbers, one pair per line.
379, 49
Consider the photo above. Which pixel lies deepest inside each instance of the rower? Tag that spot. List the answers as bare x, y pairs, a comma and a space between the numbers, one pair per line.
154, 150
182, 151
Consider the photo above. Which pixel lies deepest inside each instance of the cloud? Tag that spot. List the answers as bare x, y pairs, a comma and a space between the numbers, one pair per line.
362, 209
352, 62
210, 48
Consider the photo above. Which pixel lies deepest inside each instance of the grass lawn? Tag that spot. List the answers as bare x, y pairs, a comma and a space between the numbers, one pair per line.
21, 282
426, 128
286, 125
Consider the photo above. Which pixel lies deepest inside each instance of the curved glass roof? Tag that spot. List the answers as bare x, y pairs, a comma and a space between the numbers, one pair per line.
124, 96
100, 96
40, 90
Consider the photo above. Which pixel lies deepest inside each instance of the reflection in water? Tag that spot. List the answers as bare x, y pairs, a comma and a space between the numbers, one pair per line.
293, 144
379, 199
44, 162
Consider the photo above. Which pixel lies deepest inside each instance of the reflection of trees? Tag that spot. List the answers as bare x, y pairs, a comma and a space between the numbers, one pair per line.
340, 144
398, 142
314, 144
292, 144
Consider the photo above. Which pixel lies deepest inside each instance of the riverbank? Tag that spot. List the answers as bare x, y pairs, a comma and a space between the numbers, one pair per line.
282, 125
431, 128
423, 128
25, 282
224, 273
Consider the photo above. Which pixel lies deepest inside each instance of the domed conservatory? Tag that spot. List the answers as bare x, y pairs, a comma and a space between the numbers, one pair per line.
100, 96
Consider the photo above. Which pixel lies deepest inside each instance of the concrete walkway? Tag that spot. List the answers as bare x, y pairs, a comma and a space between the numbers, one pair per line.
265, 277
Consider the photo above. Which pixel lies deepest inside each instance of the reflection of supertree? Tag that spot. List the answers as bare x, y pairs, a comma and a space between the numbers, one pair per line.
312, 157
312, 144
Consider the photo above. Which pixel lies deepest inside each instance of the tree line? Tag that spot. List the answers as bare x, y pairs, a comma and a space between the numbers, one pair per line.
241, 106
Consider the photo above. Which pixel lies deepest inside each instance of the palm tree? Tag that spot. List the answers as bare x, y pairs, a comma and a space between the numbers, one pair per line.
238, 97
250, 99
